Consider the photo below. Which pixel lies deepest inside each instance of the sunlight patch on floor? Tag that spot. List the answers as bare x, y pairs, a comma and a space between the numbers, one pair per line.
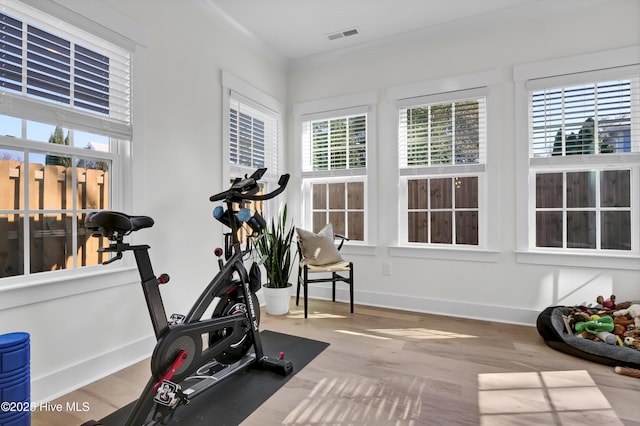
421, 333
546, 397
356, 333
340, 400
299, 314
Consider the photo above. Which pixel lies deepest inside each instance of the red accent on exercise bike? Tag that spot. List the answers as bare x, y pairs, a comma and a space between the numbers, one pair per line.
218, 251
180, 359
163, 278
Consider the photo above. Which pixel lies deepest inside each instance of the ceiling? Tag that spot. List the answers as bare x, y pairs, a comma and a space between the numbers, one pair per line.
295, 29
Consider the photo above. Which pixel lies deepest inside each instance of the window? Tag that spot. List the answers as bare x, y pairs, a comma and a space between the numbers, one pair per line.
337, 141
442, 150
64, 119
583, 157
336, 144
580, 206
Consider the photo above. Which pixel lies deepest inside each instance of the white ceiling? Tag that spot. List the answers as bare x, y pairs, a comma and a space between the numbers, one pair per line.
295, 29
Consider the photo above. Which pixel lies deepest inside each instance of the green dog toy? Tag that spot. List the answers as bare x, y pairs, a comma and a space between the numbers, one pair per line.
596, 326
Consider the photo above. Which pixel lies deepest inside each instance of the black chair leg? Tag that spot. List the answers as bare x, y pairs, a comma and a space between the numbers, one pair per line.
351, 284
306, 291
333, 290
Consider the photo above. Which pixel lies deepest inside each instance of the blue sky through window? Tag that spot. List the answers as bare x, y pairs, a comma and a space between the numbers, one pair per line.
11, 126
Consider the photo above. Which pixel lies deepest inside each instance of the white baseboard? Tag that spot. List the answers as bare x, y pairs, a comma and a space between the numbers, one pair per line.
54, 385
452, 308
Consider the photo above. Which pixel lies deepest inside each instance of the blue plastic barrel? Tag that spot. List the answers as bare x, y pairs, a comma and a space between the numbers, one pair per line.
15, 379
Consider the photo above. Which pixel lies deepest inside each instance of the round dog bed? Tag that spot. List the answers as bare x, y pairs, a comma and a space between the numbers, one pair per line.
551, 327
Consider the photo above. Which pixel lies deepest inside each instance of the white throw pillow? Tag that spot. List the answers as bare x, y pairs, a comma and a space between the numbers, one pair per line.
318, 249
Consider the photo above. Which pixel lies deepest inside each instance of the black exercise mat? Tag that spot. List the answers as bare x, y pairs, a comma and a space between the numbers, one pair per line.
233, 400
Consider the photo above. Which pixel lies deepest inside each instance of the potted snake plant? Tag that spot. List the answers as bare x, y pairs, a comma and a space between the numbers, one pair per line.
274, 248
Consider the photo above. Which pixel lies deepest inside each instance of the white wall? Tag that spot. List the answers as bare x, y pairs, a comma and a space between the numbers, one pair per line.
86, 328
504, 289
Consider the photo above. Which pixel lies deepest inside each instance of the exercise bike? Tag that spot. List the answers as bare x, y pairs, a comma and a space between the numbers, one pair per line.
194, 353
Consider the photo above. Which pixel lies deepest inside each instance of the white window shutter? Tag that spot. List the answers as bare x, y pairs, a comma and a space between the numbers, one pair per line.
253, 134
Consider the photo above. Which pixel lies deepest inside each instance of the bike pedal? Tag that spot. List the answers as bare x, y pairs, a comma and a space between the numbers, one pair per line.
170, 394
176, 319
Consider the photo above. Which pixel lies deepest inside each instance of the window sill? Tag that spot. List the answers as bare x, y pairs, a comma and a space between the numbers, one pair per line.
357, 249
445, 253
20, 291
582, 260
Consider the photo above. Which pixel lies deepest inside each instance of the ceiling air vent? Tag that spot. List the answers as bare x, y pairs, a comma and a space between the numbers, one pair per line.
341, 34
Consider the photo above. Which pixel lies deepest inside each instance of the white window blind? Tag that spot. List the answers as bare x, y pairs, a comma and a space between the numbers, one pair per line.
442, 134
253, 135
66, 66
338, 143
585, 119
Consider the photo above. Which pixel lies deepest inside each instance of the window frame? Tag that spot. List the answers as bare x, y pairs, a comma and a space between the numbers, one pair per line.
338, 107
566, 72
444, 90
33, 288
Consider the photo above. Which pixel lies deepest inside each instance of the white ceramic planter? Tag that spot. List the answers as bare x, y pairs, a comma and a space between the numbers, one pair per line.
277, 299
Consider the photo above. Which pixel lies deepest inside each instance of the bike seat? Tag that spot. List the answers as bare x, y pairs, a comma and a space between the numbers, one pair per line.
107, 223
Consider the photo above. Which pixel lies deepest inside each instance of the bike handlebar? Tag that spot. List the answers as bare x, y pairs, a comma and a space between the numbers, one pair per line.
245, 189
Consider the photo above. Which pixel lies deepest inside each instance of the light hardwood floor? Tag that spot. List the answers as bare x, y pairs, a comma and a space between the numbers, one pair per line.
389, 367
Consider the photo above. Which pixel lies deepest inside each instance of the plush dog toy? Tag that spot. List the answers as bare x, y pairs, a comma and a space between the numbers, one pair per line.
596, 326
633, 311
632, 342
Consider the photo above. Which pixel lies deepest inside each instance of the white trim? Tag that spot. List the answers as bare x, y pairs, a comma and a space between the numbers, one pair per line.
361, 249
587, 77
94, 17
458, 252
331, 107
335, 173
443, 170
35, 288
581, 260
443, 97
251, 92
578, 64
445, 85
